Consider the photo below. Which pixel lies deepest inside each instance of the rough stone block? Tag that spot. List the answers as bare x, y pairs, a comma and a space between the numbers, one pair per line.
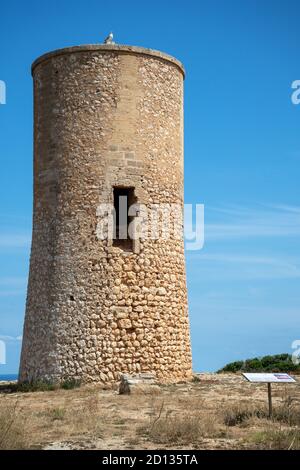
138, 384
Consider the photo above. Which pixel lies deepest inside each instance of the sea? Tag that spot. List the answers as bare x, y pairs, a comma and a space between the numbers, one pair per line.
7, 377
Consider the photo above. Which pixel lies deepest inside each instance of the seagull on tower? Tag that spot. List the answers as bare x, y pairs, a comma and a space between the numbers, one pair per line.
109, 39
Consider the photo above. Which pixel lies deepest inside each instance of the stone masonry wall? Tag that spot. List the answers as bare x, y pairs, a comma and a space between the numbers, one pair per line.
104, 117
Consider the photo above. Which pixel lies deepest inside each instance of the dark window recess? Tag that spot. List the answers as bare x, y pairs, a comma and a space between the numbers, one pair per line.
123, 199
129, 331
72, 298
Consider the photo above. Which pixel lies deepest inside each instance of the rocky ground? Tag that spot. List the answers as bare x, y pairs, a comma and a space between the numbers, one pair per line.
215, 411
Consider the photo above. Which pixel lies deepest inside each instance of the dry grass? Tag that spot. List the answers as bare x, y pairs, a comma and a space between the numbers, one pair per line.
214, 412
12, 428
57, 413
67, 421
184, 428
278, 439
239, 413
288, 411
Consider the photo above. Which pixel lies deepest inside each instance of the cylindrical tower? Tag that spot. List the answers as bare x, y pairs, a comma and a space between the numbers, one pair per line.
108, 122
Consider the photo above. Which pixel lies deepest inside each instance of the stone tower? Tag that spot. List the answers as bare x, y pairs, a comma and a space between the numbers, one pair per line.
108, 122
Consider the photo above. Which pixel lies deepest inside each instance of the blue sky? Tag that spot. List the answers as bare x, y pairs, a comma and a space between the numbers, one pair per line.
242, 157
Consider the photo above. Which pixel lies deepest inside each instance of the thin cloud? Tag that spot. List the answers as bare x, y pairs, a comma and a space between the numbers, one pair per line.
12, 292
14, 241
286, 208
230, 266
12, 286
13, 281
10, 338
245, 259
237, 222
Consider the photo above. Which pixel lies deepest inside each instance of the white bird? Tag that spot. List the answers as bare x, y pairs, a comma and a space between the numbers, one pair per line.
109, 39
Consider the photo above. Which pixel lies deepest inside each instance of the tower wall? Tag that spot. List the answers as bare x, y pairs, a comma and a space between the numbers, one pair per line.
105, 117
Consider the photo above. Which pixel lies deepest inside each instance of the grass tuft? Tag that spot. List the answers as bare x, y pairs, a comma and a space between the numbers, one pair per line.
183, 429
279, 439
39, 386
12, 429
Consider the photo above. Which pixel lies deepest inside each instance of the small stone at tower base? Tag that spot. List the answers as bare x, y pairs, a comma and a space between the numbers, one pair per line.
138, 384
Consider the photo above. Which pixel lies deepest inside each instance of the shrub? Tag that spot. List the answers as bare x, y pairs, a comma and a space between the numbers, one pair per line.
233, 366
25, 387
238, 413
196, 379
252, 364
288, 412
276, 363
39, 386
57, 414
69, 384
288, 439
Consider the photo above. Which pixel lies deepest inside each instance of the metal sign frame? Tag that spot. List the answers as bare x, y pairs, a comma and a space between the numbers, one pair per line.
269, 378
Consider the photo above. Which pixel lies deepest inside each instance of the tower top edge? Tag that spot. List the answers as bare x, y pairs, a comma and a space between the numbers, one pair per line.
121, 49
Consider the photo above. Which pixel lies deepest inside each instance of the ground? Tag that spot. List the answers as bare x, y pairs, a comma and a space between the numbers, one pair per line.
214, 411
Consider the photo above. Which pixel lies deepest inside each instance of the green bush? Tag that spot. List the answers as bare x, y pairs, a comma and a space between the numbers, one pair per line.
276, 363
253, 364
233, 366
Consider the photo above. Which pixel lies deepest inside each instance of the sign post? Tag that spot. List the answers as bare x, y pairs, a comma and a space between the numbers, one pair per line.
270, 400
269, 379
